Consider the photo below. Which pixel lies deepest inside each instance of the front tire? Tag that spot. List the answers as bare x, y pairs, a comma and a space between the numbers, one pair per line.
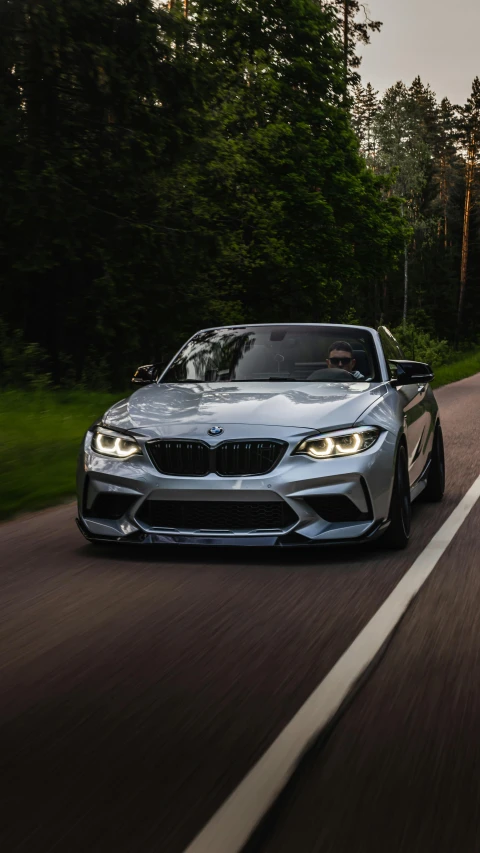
435, 488
397, 535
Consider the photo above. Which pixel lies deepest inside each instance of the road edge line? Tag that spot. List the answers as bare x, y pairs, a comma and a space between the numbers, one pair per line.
229, 829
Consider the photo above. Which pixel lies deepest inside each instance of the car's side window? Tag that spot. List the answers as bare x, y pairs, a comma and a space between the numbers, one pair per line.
391, 349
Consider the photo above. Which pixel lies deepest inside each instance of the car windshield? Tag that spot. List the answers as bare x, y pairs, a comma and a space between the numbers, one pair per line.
275, 353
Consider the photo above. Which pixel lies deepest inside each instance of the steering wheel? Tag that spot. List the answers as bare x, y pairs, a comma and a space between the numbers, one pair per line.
332, 374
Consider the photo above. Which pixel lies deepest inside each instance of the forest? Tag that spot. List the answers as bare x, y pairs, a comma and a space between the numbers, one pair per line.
167, 166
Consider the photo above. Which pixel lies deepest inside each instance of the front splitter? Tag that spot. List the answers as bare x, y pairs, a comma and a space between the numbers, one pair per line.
285, 540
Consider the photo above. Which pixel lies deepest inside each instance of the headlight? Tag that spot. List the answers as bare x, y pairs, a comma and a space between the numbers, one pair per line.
341, 443
110, 443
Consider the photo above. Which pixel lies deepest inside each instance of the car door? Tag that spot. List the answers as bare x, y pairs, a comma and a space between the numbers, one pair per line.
416, 412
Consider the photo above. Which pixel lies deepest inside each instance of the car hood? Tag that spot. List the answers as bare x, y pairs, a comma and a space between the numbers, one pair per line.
311, 405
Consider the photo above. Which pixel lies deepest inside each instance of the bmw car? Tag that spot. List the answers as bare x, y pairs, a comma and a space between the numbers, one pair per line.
279, 434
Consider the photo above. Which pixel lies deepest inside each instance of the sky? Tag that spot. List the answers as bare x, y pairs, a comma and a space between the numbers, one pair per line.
436, 39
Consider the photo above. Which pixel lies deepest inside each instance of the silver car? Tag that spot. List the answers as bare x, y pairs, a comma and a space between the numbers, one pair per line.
280, 434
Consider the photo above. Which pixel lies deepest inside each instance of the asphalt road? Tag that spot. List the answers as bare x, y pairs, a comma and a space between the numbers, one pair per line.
138, 687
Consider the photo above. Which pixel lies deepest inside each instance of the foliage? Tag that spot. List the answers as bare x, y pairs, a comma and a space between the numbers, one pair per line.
469, 137
22, 364
162, 172
356, 27
365, 110
40, 436
420, 345
427, 146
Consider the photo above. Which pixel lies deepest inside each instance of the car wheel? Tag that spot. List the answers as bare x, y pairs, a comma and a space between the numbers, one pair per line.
435, 488
400, 516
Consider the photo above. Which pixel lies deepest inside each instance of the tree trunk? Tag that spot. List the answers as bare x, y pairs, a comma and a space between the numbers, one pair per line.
469, 175
444, 198
384, 313
346, 9
172, 4
405, 278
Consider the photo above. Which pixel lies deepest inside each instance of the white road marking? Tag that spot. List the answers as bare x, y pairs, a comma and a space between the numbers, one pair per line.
231, 826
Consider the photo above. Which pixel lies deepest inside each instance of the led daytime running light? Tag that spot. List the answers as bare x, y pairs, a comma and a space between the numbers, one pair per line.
319, 454
343, 443
340, 448
118, 446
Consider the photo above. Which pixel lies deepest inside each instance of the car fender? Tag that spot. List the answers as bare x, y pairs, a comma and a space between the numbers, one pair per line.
387, 412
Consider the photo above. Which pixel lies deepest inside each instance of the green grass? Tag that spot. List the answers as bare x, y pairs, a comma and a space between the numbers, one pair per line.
465, 366
40, 436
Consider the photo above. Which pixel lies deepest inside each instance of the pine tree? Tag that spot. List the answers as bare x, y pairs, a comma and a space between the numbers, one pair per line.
299, 185
364, 111
446, 155
469, 128
424, 109
402, 148
90, 140
354, 27
163, 170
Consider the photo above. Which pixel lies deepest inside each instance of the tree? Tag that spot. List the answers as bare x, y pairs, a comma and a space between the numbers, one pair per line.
364, 111
447, 155
470, 139
163, 171
424, 143
91, 142
355, 27
403, 150
290, 173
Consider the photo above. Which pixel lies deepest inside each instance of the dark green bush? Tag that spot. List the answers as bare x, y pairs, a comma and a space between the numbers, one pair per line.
420, 345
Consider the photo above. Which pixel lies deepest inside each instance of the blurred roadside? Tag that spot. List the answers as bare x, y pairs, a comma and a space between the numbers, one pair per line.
41, 429
40, 435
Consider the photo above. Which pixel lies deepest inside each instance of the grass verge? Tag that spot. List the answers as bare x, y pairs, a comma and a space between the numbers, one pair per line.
40, 436
456, 370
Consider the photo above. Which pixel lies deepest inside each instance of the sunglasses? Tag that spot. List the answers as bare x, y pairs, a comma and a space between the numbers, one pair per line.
340, 360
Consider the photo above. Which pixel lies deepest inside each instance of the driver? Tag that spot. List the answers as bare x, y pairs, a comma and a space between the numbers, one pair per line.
340, 355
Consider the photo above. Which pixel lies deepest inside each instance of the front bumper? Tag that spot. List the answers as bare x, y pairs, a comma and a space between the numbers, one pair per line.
298, 481
290, 540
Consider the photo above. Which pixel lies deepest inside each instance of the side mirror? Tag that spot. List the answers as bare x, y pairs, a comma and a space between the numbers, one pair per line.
411, 372
147, 374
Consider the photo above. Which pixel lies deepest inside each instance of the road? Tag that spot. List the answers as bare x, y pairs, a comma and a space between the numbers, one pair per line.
139, 687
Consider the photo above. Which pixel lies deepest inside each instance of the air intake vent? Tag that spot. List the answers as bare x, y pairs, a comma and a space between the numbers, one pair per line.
110, 505
218, 516
336, 508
